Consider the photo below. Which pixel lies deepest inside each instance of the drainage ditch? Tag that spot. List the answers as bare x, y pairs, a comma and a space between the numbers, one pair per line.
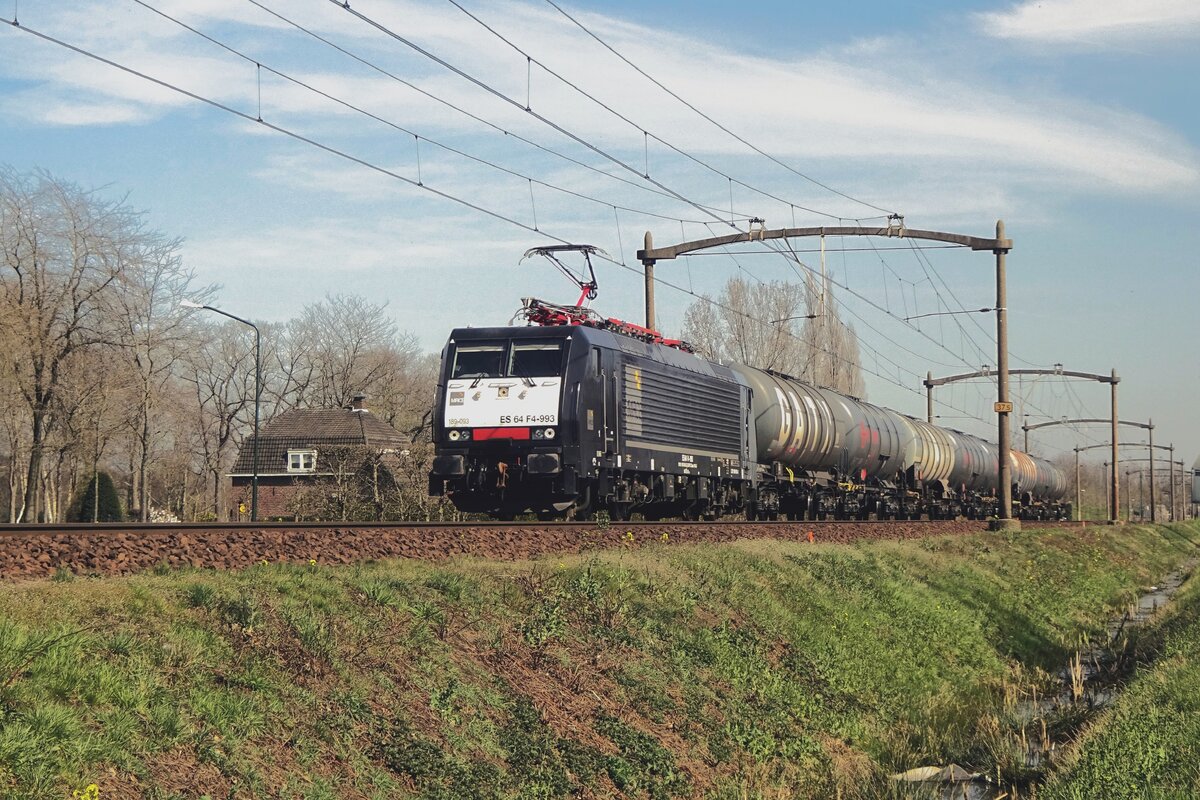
1046, 713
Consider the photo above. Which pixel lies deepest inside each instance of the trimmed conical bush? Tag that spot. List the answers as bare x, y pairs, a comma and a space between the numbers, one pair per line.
87, 509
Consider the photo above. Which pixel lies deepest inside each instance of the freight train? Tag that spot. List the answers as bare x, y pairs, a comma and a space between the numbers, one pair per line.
577, 415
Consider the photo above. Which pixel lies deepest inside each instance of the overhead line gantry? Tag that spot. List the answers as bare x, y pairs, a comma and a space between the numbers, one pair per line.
1111, 379
649, 255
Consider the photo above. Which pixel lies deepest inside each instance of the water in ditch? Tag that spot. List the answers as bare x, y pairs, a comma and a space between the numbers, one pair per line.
1087, 682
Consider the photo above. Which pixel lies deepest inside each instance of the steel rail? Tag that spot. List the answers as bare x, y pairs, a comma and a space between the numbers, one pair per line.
68, 528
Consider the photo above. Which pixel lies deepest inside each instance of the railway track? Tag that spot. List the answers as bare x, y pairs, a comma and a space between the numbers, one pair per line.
161, 527
42, 551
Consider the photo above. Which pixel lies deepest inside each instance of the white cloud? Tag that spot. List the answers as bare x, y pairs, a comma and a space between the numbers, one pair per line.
91, 114
847, 117
1094, 21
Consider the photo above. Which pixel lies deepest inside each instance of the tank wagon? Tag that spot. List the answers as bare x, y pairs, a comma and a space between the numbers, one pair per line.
576, 418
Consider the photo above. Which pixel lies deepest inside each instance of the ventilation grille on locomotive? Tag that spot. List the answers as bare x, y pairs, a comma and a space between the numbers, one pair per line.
674, 407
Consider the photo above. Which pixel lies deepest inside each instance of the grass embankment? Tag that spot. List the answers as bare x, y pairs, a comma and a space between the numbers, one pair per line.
1147, 745
759, 669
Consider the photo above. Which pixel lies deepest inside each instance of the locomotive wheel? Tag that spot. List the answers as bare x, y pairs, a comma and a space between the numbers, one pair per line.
547, 516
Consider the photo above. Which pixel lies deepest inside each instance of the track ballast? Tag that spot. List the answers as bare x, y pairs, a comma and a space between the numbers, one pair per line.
41, 551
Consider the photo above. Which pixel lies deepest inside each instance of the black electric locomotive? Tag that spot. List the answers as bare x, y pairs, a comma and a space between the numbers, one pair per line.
551, 419
577, 414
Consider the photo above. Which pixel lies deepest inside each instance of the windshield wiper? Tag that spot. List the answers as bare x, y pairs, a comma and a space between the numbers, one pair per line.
525, 379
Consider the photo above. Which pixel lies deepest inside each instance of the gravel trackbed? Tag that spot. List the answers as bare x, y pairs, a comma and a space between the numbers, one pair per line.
26, 553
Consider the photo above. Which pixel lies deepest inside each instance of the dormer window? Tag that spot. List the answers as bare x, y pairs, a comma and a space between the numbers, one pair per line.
302, 461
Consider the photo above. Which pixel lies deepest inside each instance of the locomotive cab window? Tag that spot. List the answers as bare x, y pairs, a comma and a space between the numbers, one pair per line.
537, 359
485, 359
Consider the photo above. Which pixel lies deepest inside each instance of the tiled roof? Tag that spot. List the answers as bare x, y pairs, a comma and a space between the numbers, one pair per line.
312, 429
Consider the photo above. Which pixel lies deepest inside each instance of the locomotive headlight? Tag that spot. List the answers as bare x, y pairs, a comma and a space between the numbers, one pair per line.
466, 435
454, 436
549, 433
537, 433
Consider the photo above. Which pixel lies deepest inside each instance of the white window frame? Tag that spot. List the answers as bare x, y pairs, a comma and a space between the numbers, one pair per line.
302, 461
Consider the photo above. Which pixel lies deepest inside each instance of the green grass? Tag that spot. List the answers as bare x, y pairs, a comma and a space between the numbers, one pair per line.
1147, 745
759, 669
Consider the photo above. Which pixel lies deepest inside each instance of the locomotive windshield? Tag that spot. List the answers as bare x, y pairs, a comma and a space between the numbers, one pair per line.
528, 358
535, 359
485, 359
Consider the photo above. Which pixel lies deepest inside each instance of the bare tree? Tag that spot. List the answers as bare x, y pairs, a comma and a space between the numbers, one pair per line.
345, 345
404, 396
752, 324
63, 248
337, 348
780, 326
14, 417
90, 407
832, 345
220, 372
153, 333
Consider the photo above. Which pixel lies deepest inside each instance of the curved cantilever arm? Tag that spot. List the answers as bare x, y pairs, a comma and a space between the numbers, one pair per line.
987, 373
900, 232
1143, 425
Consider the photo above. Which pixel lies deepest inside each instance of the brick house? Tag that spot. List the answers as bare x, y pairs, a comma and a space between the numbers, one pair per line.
310, 455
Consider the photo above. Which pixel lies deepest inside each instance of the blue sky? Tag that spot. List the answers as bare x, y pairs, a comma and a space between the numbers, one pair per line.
1076, 122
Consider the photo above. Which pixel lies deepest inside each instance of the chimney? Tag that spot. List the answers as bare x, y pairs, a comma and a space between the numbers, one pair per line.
359, 402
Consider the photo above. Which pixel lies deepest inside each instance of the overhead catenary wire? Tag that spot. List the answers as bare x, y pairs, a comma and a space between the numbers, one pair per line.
713, 214
390, 173
277, 128
927, 266
487, 87
771, 246
673, 94
633, 124
888, 311
921, 256
418, 137
471, 115
502, 96
362, 161
875, 330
